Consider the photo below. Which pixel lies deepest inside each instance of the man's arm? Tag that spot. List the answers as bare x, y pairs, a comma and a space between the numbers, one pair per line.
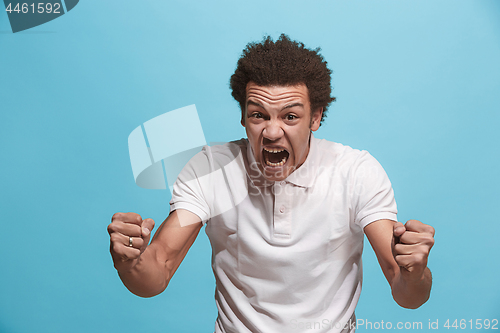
402, 252
147, 270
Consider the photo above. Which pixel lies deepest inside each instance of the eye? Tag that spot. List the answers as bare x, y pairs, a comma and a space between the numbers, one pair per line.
290, 117
257, 115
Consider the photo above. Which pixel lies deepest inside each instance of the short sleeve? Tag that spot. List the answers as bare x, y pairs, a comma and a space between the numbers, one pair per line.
190, 189
372, 192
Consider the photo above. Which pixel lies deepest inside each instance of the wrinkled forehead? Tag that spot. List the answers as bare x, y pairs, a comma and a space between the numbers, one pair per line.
276, 95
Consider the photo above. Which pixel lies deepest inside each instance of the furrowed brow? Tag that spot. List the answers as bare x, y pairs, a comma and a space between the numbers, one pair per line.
254, 103
292, 105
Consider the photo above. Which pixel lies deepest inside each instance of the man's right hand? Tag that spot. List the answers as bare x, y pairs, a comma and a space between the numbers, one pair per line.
129, 237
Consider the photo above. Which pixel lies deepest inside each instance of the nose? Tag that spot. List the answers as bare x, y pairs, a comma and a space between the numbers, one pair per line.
273, 131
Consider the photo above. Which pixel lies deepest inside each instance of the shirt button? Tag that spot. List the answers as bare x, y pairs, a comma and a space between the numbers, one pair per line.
282, 183
282, 209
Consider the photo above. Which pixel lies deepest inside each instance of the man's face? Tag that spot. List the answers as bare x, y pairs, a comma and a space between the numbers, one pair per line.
278, 122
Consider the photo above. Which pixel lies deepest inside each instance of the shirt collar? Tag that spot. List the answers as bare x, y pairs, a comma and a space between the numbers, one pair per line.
304, 176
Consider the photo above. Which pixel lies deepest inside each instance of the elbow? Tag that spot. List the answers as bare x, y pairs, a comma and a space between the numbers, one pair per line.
148, 291
408, 302
412, 294
410, 305
145, 295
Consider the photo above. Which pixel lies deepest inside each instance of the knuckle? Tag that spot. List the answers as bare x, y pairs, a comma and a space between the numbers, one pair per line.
116, 216
134, 216
420, 257
116, 248
422, 261
139, 242
429, 240
410, 224
113, 227
135, 230
114, 238
399, 260
133, 253
129, 217
404, 238
414, 224
397, 247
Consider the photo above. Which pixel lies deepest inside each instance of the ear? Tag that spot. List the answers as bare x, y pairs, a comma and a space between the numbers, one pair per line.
316, 119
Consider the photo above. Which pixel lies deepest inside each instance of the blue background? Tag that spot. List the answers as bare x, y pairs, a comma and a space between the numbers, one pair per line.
418, 86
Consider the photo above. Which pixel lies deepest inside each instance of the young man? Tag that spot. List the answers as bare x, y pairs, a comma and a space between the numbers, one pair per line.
285, 212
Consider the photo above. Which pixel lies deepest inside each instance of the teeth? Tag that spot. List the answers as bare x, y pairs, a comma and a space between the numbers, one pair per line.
276, 164
274, 150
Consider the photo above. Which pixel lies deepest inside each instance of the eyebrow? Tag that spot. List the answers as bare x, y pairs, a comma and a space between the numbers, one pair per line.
255, 103
292, 105
286, 107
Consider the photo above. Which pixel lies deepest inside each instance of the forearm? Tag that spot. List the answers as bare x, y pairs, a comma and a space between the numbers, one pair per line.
148, 277
409, 292
146, 269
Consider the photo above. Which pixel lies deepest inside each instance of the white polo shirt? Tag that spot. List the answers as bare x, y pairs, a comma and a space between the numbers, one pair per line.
286, 255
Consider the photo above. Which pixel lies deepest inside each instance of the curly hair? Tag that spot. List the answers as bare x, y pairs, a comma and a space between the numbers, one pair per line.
283, 63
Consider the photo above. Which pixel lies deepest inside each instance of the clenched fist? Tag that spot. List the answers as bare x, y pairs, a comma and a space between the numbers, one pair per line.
412, 244
129, 237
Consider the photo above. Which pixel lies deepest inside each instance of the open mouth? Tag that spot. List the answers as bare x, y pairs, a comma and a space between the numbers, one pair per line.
275, 157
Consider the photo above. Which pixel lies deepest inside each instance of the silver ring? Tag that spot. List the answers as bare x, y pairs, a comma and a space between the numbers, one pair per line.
130, 242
